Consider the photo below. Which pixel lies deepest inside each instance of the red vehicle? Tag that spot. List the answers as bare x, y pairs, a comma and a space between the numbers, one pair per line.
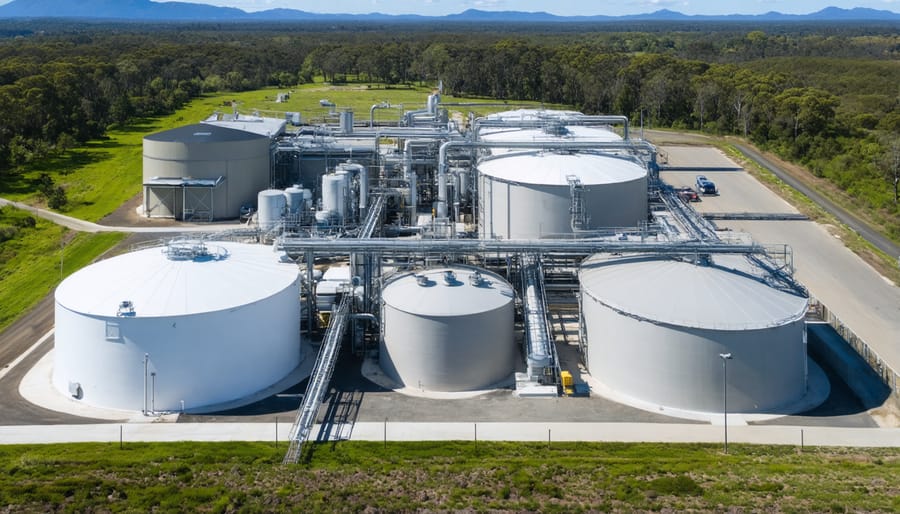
687, 194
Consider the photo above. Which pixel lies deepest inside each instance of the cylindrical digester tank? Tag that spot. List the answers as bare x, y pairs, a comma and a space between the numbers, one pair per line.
295, 199
215, 322
237, 158
530, 195
271, 204
334, 193
448, 329
656, 329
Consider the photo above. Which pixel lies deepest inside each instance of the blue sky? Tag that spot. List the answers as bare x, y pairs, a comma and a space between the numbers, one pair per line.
560, 7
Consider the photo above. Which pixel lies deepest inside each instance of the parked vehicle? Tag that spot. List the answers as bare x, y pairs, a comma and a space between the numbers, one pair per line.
687, 194
706, 186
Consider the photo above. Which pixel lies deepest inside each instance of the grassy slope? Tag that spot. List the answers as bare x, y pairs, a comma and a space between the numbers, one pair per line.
30, 263
360, 476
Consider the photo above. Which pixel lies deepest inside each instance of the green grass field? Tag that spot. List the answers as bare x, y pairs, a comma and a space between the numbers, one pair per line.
446, 476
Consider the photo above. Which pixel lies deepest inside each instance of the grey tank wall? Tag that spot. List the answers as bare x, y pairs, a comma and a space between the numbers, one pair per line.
448, 353
531, 211
244, 164
680, 367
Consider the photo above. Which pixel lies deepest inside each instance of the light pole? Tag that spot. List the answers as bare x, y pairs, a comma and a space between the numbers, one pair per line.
642, 123
725, 358
153, 392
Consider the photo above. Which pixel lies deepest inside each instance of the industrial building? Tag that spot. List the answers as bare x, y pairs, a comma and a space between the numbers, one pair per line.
456, 245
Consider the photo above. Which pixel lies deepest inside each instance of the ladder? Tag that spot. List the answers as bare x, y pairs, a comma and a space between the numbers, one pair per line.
576, 192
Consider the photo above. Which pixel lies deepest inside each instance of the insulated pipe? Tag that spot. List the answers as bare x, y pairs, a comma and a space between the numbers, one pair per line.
413, 193
366, 316
540, 352
363, 190
382, 105
544, 246
544, 145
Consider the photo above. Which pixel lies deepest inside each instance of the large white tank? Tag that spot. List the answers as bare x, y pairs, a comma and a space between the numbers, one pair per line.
217, 322
527, 195
656, 328
448, 329
271, 204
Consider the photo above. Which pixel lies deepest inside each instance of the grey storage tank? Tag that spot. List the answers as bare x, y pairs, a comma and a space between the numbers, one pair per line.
203, 172
656, 328
530, 195
448, 329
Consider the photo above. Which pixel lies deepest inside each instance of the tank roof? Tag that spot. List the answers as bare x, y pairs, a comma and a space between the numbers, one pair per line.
690, 295
533, 114
203, 133
571, 133
551, 168
268, 127
427, 292
178, 280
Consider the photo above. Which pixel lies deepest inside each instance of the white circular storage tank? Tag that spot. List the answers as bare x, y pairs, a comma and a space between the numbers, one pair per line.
448, 329
527, 195
217, 323
656, 328
271, 203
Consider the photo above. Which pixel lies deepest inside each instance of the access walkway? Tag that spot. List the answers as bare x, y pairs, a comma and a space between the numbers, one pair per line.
460, 431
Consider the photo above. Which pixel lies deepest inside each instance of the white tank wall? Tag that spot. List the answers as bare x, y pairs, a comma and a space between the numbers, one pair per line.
202, 359
509, 210
271, 204
334, 193
462, 348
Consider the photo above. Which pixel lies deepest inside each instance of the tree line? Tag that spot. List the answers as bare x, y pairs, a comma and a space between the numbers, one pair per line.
822, 95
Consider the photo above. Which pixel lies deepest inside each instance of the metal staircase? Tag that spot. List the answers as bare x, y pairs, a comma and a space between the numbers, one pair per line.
319, 379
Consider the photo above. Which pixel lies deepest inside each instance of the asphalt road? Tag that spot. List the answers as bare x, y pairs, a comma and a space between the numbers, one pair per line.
868, 233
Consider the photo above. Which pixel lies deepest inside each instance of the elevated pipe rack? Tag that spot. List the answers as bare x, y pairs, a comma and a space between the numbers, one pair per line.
400, 246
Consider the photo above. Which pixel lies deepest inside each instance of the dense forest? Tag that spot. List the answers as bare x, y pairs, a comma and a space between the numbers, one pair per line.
822, 95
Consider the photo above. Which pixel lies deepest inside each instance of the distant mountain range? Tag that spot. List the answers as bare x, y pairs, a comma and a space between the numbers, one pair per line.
146, 10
